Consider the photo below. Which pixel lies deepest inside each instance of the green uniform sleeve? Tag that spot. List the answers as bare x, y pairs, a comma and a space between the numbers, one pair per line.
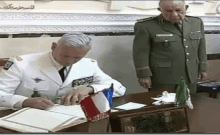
203, 63
141, 51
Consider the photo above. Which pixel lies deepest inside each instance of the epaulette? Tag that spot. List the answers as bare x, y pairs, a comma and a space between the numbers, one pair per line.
18, 58
145, 19
187, 16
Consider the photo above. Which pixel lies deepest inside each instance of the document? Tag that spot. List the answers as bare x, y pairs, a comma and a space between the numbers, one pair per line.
35, 120
113, 110
130, 106
3, 108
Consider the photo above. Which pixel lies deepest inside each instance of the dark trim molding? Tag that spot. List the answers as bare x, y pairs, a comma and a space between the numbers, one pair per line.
213, 56
212, 32
31, 35
209, 57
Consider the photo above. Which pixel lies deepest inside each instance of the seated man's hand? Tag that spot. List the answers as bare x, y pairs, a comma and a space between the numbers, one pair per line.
38, 102
77, 95
145, 82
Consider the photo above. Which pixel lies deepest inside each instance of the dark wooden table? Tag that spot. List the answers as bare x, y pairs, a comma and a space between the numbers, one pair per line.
204, 118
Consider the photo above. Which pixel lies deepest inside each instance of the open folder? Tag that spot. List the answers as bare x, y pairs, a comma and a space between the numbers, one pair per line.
51, 120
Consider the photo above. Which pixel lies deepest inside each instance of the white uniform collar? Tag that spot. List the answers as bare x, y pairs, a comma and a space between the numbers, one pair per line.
57, 65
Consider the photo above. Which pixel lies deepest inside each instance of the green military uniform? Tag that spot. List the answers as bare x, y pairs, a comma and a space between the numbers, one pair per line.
163, 52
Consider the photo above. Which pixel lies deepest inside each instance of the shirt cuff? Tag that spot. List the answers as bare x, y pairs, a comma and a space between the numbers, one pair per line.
18, 105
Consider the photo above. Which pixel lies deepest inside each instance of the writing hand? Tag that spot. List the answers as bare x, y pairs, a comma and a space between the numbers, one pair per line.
76, 96
38, 102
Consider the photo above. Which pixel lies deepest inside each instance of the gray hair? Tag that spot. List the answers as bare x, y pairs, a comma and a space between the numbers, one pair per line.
75, 39
171, 0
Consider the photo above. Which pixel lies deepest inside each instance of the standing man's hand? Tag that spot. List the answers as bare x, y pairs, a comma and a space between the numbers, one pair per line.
145, 82
38, 102
202, 76
76, 96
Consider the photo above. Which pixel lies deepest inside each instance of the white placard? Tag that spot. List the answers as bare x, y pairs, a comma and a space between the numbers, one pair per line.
130, 106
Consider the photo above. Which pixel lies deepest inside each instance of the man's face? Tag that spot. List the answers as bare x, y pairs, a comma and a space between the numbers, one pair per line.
67, 56
173, 11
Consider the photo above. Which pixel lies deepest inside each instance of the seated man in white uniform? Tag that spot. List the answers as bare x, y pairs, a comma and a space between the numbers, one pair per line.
59, 76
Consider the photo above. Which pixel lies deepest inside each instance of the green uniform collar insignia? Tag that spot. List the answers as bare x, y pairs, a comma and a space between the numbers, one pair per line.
145, 19
162, 20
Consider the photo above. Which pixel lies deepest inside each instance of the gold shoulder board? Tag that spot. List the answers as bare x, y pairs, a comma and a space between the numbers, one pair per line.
145, 19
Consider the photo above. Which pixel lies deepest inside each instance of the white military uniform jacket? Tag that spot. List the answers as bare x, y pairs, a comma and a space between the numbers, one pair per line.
21, 75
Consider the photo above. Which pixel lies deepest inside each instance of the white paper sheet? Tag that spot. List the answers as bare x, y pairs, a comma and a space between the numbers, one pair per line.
168, 98
74, 110
39, 118
130, 106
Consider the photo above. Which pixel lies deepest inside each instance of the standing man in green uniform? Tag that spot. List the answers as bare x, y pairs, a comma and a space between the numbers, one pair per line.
170, 46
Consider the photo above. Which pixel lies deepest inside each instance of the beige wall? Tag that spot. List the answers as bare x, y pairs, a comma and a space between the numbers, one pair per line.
212, 43
19, 46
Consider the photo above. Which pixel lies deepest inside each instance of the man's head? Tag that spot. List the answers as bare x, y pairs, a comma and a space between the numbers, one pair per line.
70, 48
173, 10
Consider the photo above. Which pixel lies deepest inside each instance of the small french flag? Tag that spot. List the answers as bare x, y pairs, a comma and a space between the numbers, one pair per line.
97, 106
